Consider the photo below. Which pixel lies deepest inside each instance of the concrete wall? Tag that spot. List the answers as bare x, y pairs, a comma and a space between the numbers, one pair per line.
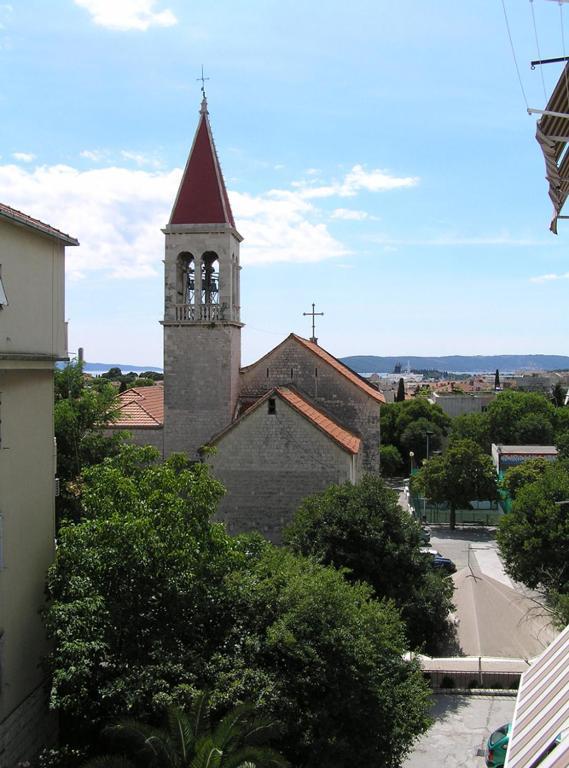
28, 729
27, 465
458, 405
293, 364
33, 274
269, 463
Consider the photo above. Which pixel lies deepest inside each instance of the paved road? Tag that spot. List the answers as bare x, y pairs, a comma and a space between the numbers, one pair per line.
461, 728
470, 546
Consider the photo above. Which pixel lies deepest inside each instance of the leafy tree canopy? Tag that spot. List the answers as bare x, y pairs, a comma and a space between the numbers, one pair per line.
325, 657
151, 602
527, 472
391, 461
463, 474
473, 426
396, 418
81, 411
362, 528
515, 418
534, 536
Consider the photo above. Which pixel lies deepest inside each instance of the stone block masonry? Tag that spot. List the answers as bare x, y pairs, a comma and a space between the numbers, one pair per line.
26, 730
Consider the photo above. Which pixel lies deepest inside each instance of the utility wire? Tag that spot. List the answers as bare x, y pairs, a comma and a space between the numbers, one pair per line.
514, 54
538, 51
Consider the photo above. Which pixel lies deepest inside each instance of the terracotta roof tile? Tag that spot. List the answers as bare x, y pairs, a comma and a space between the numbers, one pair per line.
141, 407
340, 435
18, 217
341, 368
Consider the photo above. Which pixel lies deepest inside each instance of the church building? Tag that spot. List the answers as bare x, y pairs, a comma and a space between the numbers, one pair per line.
274, 432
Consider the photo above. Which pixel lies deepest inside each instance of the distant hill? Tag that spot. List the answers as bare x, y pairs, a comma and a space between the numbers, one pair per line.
459, 363
98, 368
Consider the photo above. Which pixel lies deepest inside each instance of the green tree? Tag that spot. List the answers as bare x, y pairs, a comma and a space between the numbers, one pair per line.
363, 529
390, 460
514, 418
420, 435
150, 602
81, 411
396, 418
562, 445
136, 588
113, 374
239, 740
400, 394
472, 426
527, 472
558, 393
463, 474
534, 536
324, 656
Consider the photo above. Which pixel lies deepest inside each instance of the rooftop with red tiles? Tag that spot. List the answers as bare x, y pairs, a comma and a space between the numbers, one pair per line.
340, 435
141, 407
22, 219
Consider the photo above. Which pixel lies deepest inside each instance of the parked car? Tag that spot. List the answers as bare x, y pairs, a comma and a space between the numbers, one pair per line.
497, 746
438, 560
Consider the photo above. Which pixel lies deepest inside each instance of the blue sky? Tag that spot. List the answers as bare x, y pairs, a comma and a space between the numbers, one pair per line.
378, 156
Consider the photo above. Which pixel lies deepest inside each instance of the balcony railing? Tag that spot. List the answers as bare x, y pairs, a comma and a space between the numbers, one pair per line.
204, 313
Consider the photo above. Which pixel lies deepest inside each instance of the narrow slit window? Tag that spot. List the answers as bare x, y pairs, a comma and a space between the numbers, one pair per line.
272, 406
291, 373
316, 373
267, 373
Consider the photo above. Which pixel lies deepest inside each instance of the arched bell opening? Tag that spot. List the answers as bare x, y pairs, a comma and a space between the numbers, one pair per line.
210, 278
186, 278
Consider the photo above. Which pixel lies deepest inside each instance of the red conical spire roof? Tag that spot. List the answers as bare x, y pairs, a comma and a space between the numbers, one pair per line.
202, 197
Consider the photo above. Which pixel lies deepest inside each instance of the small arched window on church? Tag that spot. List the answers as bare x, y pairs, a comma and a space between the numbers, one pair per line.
186, 278
210, 278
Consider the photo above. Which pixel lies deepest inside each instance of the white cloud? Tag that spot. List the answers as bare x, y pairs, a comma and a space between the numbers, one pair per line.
349, 214
549, 278
355, 181
95, 155
140, 159
23, 157
280, 226
127, 14
117, 214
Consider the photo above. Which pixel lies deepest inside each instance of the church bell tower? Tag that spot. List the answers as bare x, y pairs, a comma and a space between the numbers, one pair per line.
202, 327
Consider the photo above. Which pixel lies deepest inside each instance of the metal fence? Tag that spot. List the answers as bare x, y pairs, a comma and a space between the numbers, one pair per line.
482, 512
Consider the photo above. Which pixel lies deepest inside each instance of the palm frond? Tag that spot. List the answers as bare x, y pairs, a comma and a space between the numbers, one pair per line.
199, 713
258, 757
182, 732
208, 755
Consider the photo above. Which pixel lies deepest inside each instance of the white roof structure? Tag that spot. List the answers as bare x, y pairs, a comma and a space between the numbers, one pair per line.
539, 734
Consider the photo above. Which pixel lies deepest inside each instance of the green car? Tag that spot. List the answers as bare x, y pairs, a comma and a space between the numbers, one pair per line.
497, 746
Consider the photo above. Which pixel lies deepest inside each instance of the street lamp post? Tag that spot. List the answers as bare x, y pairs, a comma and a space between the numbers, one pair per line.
411, 461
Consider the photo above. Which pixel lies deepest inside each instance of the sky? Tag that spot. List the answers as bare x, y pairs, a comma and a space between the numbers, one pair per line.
379, 159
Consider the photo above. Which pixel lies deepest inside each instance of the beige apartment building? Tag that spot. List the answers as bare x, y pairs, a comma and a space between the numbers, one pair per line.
33, 336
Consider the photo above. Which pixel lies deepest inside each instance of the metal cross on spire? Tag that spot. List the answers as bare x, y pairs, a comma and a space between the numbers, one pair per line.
203, 79
313, 314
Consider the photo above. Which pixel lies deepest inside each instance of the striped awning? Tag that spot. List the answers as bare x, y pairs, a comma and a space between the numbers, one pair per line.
552, 135
541, 717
